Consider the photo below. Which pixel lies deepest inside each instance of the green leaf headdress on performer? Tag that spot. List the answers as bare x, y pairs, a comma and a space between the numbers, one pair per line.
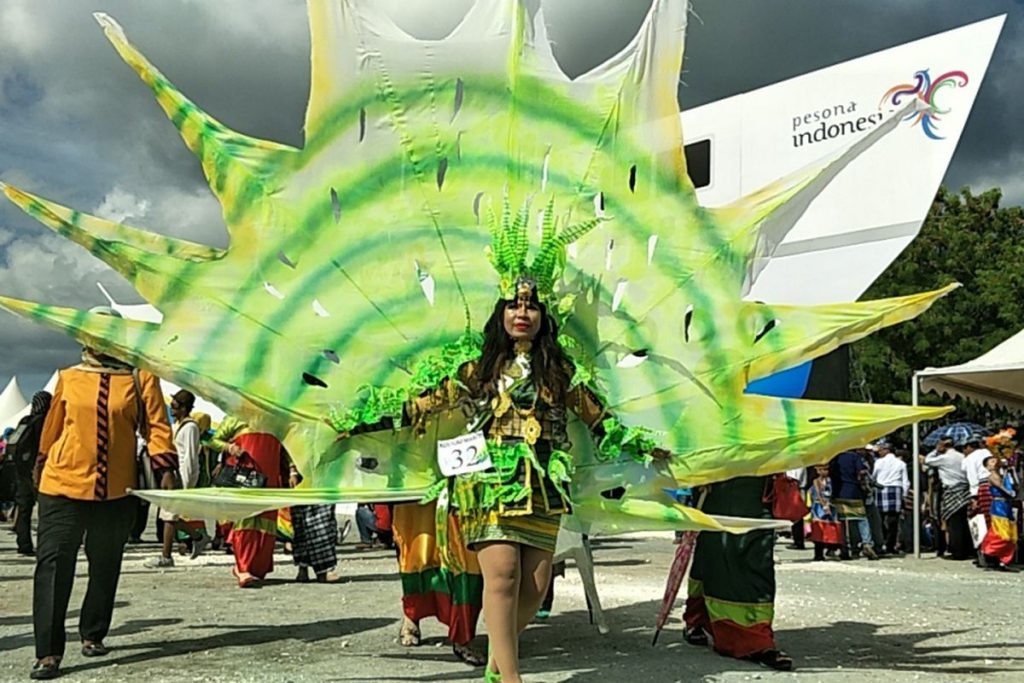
510, 247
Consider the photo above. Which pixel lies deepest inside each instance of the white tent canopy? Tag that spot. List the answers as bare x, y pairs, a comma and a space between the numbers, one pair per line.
51, 384
12, 404
994, 378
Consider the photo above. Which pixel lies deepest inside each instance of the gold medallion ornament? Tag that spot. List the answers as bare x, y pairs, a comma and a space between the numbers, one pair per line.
501, 404
531, 430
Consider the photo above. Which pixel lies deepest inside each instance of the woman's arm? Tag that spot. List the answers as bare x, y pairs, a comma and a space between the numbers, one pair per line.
994, 480
588, 408
227, 430
592, 413
289, 472
446, 396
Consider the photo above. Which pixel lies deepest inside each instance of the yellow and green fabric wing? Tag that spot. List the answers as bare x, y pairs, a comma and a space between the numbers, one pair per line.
357, 276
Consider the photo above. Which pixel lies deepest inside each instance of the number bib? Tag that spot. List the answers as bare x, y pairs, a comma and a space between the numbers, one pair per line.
463, 454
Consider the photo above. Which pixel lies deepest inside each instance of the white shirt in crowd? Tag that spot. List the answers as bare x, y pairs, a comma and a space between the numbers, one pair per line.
800, 474
891, 471
974, 468
186, 441
950, 466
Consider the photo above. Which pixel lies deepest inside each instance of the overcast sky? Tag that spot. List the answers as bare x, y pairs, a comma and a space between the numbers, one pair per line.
77, 125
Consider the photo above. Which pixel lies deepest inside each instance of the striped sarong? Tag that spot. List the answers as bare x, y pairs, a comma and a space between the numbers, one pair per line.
984, 499
315, 535
953, 499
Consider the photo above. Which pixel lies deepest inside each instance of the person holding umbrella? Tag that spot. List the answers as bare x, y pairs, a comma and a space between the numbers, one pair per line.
958, 433
955, 496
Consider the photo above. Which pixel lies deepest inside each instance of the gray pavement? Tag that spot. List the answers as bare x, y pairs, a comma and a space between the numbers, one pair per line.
894, 620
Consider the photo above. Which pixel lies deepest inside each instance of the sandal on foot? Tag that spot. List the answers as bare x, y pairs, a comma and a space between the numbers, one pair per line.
248, 582
94, 650
696, 636
409, 635
465, 653
45, 671
773, 659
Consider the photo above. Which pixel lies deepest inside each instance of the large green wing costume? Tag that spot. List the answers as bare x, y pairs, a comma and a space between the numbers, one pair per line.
356, 273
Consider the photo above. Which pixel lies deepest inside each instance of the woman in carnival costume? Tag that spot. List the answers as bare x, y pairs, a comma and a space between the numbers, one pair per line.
518, 395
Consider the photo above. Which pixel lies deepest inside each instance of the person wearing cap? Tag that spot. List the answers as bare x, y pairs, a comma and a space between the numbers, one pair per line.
85, 466
187, 444
890, 473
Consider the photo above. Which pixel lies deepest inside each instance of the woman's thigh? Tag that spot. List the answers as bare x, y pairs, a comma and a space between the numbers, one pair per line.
536, 569
499, 564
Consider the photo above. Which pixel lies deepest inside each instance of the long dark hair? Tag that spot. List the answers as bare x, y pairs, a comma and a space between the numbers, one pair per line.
550, 367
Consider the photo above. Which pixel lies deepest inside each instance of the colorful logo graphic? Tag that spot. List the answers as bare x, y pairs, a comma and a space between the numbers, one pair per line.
927, 111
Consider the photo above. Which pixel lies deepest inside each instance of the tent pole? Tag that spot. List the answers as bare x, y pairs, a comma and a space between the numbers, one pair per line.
915, 445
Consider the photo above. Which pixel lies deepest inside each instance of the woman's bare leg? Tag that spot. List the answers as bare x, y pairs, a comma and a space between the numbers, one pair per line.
536, 576
499, 564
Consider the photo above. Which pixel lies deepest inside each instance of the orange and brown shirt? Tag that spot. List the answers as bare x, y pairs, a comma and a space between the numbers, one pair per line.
89, 442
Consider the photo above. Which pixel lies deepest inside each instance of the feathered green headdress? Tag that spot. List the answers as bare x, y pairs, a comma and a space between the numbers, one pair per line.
510, 245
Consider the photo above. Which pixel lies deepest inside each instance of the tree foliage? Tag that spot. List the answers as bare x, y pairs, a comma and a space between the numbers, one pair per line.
969, 239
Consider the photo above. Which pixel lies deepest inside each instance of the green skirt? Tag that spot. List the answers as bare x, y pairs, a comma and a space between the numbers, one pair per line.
537, 527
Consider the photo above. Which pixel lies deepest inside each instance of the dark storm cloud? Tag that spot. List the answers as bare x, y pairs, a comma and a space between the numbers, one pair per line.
77, 126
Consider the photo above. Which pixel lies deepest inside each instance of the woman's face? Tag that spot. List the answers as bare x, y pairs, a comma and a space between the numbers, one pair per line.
822, 470
522, 319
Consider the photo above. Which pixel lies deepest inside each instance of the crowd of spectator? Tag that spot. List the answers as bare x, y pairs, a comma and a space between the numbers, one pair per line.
861, 503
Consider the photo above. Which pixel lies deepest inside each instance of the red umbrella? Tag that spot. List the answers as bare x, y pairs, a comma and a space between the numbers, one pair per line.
680, 567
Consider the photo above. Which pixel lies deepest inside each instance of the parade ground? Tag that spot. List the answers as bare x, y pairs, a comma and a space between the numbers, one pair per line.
901, 619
